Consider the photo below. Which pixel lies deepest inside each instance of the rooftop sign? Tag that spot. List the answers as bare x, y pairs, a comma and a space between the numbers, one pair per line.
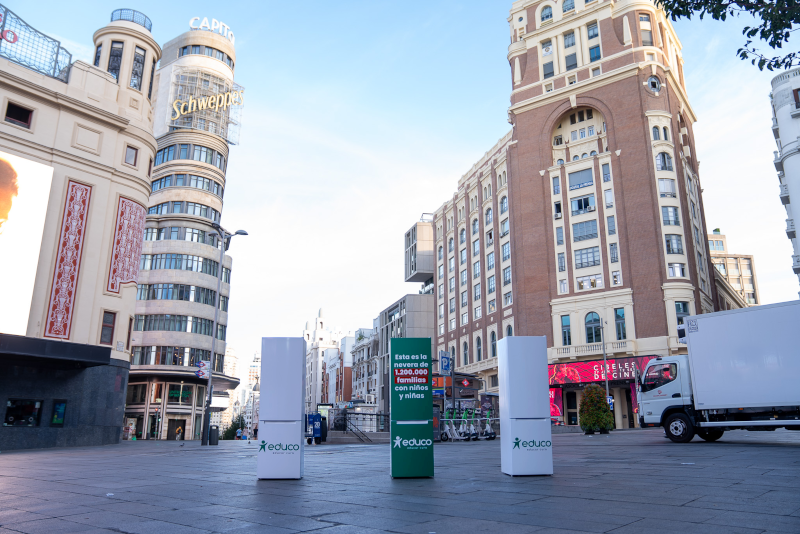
215, 26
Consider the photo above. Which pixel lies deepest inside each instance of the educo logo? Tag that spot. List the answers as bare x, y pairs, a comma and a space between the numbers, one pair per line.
398, 442
278, 446
533, 444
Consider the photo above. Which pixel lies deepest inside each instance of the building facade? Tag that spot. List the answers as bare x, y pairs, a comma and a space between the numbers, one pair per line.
785, 100
195, 123
76, 144
319, 339
738, 270
585, 222
366, 364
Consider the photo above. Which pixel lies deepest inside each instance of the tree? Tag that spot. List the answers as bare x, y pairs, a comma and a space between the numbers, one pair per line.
595, 412
236, 424
777, 18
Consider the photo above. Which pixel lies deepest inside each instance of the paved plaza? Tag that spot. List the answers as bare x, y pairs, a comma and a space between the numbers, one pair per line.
626, 482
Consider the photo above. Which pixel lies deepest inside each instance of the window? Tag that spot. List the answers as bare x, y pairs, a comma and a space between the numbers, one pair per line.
720, 267
590, 282
674, 244
107, 328
547, 70
465, 353
547, 13
506, 250
582, 205
18, 115
663, 162
452, 324
681, 311
584, 230
137, 72
587, 257
475, 226
441, 252
571, 61
611, 224
616, 278
614, 253
476, 292
131, 155
490, 261
659, 375
556, 187
464, 277
507, 299
559, 235
569, 5
592, 30
596, 72
670, 216
115, 59
441, 290
509, 329
441, 311
463, 254
566, 331
609, 196
569, 40
441, 272
451, 264
478, 348
560, 161
476, 269
666, 187
489, 216
506, 276
452, 304
23, 412
656, 137
562, 286
503, 205
492, 306
504, 228
476, 247
593, 333
558, 140
464, 318
580, 179
666, 133
594, 53
562, 263
464, 301
691, 206
647, 38
97, 55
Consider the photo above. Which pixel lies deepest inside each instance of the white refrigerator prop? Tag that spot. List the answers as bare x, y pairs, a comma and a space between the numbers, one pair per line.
525, 443
281, 417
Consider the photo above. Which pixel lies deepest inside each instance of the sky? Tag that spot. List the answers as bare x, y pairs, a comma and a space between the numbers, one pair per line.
360, 116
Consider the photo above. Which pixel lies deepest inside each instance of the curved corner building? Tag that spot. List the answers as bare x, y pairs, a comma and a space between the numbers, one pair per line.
196, 120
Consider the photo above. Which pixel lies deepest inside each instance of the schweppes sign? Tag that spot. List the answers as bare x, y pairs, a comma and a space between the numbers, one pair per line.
210, 103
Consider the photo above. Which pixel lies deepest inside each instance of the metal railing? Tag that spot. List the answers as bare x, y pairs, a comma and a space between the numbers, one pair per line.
358, 423
30, 48
132, 15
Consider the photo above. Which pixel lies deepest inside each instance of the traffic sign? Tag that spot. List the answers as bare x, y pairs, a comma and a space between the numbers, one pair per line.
444, 360
202, 373
465, 382
203, 364
610, 400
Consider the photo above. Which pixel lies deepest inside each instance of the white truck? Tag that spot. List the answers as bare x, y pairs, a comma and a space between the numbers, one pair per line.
742, 372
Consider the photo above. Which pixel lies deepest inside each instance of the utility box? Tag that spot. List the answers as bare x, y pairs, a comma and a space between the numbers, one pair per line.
213, 435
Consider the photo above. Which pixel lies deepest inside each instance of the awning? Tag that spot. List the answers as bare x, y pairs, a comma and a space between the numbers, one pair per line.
35, 351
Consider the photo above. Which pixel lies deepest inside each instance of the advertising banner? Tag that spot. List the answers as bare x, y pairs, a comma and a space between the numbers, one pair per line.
582, 372
411, 407
24, 194
556, 403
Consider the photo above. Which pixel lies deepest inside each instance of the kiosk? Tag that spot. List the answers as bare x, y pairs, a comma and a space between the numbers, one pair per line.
526, 446
281, 418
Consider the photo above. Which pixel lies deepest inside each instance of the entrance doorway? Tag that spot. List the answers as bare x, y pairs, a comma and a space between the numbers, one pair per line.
629, 404
172, 428
572, 408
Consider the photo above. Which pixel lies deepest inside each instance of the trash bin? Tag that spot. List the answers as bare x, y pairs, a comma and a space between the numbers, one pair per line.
213, 435
324, 430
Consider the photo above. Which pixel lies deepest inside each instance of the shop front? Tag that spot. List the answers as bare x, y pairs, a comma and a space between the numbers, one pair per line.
567, 381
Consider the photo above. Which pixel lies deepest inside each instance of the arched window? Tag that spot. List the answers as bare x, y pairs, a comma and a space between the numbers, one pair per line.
656, 137
465, 354
441, 252
560, 162
575, 158
593, 153
593, 328
503, 205
584, 155
504, 176
663, 162
509, 331
478, 349
488, 216
569, 5
450, 245
475, 226
493, 339
547, 13
462, 236
666, 134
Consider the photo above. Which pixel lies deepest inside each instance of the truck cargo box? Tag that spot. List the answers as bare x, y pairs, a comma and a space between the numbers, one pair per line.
745, 358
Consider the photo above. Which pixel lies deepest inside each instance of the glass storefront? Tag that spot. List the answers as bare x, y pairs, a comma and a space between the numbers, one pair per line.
156, 410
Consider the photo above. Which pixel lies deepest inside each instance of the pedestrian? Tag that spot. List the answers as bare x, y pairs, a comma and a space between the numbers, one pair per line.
178, 434
238, 433
255, 433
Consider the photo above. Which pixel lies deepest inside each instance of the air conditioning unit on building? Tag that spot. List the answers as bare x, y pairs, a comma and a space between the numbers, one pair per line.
590, 208
370, 399
558, 215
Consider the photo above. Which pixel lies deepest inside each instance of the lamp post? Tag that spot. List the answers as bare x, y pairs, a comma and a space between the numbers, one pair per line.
225, 238
605, 358
253, 411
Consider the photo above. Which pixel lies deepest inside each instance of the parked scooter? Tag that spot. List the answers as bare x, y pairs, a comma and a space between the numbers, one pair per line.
488, 431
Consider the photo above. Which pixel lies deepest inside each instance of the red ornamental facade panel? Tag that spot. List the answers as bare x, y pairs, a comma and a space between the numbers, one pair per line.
127, 249
68, 261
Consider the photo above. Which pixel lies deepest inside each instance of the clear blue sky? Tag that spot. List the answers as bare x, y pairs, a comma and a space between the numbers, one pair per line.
362, 115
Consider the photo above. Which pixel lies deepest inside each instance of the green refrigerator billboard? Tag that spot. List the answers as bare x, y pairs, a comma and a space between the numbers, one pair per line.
411, 408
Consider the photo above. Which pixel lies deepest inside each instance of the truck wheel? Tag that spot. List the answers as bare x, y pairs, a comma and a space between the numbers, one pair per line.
711, 435
679, 428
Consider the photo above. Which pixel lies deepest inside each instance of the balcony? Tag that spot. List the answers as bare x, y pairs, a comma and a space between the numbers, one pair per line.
627, 346
790, 232
777, 161
775, 130
784, 194
796, 263
487, 364
795, 110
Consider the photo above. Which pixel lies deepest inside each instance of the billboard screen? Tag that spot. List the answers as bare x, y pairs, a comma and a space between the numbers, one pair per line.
556, 403
582, 372
24, 193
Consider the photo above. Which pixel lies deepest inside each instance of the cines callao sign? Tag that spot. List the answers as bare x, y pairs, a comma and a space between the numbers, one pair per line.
222, 100
530, 445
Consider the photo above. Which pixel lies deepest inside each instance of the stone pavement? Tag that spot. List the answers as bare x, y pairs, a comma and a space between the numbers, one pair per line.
627, 482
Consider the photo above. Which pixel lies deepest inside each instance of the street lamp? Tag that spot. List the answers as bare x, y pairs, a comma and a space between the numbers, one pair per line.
253, 411
225, 238
605, 358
